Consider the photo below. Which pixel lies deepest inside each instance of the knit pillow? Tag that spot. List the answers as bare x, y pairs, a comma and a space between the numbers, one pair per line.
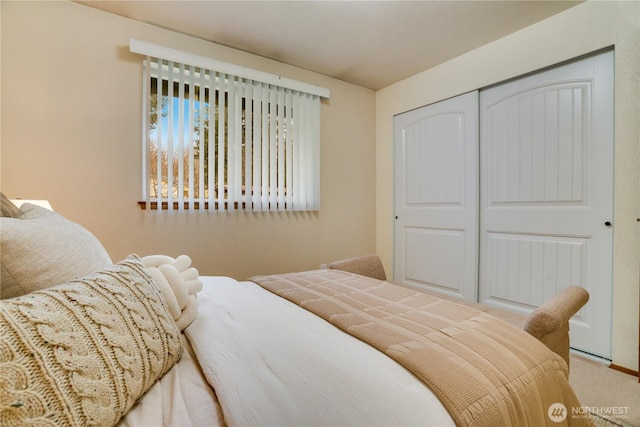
83, 352
40, 248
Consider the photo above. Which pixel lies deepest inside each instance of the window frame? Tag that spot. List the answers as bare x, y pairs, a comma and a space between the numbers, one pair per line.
279, 130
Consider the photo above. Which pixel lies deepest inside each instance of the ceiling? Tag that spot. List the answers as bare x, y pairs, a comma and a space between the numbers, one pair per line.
368, 43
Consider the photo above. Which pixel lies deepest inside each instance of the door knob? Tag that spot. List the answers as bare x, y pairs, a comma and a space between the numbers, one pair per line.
608, 223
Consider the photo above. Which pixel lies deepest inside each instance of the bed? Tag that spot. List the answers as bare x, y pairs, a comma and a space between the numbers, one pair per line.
147, 341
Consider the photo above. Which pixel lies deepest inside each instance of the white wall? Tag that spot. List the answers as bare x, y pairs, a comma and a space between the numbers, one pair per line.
580, 30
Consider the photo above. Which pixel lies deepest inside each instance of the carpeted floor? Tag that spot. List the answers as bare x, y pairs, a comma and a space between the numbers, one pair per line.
613, 396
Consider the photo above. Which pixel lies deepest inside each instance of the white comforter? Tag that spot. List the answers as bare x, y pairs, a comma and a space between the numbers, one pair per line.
272, 363
181, 398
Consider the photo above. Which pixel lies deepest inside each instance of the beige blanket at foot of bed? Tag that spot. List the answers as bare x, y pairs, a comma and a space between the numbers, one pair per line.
485, 371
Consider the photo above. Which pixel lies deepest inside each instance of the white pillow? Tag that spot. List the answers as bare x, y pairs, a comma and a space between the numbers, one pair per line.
179, 284
40, 248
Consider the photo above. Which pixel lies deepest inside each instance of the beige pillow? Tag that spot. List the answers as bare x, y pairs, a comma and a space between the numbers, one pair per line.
7, 208
40, 248
83, 352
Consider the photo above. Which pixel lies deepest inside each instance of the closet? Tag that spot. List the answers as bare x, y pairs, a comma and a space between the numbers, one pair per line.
505, 195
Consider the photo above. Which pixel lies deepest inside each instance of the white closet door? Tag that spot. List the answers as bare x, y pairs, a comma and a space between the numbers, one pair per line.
546, 186
436, 206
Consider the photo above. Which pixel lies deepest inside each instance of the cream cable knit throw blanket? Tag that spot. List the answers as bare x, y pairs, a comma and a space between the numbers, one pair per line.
83, 352
179, 284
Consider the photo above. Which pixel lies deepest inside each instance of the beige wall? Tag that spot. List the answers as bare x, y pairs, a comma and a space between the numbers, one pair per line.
71, 126
70, 133
577, 31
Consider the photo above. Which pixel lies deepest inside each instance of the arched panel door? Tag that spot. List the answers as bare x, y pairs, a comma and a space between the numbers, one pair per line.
436, 197
546, 193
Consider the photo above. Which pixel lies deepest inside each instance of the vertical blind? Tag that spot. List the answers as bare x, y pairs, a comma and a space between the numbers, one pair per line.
217, 138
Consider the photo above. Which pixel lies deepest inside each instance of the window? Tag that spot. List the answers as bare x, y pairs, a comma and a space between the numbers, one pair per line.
221, 137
